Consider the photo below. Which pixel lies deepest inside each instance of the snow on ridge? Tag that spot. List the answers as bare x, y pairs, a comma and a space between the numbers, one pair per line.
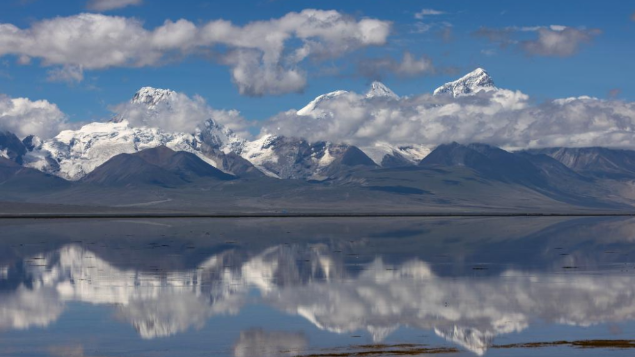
378, 89
472, 82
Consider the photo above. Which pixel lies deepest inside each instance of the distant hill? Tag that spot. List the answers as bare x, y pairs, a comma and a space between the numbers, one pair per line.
158, 166
594, 161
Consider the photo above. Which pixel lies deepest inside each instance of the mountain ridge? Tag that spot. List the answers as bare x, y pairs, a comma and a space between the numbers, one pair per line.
471, 83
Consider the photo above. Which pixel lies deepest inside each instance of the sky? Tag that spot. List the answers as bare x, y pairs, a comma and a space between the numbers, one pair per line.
264, 57
596, 68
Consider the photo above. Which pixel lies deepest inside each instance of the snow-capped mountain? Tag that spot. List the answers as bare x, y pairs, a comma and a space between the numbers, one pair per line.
315, 107
386, 155
318, 107
158, 101
72, 154
293, 158
296, 158
381, 153
153, 97
472, 82
378, 89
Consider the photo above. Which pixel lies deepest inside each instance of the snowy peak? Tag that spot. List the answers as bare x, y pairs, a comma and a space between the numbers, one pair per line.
312, 109
316, 108
472, 82
152, 96
378, 89
153, 99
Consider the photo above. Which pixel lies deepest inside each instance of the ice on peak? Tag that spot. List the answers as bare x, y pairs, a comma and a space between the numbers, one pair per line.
472, 82
152, 96
378, 89
312, 109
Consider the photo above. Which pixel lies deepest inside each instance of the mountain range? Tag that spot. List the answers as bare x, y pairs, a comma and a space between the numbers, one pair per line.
213, 168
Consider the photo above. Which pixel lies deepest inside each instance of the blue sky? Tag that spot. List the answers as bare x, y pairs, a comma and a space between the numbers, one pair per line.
598, 65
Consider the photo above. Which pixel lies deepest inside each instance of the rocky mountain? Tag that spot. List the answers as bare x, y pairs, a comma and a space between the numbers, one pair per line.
296, 158
293, 158
73, 154
594, 161
159, 166
315, 108
379, 90
11, 147
472, 82
387, 155
491, 162
381, 153
540, 173
18, 181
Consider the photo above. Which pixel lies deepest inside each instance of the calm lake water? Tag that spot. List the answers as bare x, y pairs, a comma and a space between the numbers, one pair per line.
318, 287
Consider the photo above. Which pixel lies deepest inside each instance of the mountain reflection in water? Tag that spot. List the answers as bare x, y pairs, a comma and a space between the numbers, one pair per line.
469, 282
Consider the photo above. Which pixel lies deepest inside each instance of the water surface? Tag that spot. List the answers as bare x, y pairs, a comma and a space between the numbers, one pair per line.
318, 287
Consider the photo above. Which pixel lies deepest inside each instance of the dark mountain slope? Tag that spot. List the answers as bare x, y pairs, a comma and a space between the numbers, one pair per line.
540, 173
157, 166
18, 180
594, 161
12, 147
491, 162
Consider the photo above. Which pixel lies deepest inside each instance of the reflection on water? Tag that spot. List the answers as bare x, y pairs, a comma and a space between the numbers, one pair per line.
469, 282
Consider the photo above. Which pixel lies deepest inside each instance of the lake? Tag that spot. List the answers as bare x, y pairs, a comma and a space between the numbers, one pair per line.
513, 286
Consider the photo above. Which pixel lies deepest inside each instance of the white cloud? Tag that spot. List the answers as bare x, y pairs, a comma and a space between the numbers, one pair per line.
498, 117
106, 5
24, 117
552, 40
427, 12
558, 41
255, 77
68, 73
410, 66
180, 113
262, 54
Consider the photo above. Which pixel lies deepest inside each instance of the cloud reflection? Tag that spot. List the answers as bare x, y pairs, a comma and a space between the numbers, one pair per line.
316, 284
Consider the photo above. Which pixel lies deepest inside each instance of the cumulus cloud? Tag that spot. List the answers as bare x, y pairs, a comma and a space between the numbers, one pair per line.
558, 42
551, 41
498, 117
179, 113
260, 343
427, 12
263, 55
24, 117
68, 74
106, 5
410, 66
253, 77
